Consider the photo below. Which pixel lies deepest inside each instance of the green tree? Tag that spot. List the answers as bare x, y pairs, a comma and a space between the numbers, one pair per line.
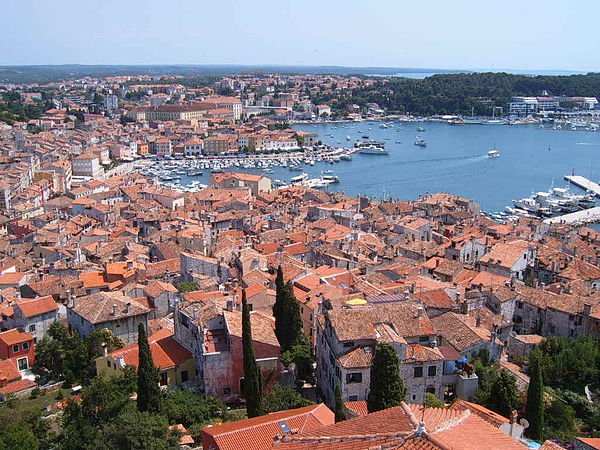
504, 395
135, 430
431, 401
386, 388
534, 409
301, 355
253, 383
340, 409
19, 437
280, 398
148, 393
287, 313
191, 408
188, 286
560, 419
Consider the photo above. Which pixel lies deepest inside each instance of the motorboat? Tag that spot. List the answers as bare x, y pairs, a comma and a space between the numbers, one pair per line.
493, 154
420, 142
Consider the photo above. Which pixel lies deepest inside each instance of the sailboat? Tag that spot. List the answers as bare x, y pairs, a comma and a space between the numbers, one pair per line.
493, 153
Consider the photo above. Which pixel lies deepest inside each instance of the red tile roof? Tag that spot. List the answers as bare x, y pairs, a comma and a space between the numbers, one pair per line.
15, 336
37, 306
258, 433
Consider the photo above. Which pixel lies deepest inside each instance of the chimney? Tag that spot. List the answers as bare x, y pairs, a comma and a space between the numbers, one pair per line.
195, 312
127, 307
420, 311
587, 309
114, 310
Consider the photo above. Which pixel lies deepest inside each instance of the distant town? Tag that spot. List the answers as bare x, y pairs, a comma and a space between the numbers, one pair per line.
255, 313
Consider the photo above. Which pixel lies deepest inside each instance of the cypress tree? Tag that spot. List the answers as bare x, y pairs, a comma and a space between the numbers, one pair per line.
386, 388
252, 376
340, 409
287, 313
534, 410
148, 393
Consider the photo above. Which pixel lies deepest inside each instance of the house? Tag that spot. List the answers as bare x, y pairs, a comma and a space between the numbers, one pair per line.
19, 347
111, 310
215, 339
35, 315
230, 180
346, 340
466, 335
175, 362
11, 381
509, 259
258, 433
522, 345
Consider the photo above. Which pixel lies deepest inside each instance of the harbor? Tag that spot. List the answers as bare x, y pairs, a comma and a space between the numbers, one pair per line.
584, 183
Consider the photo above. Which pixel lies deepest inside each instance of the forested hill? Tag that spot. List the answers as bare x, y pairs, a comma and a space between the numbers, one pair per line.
459, 93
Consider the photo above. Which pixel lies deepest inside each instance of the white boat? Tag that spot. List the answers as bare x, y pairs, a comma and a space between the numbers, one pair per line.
373, 150
493, 154
420, 129
348, 138
330, 179
420, 142
299, 178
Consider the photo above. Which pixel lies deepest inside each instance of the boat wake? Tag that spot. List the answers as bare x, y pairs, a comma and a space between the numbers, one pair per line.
586, 143
451, 158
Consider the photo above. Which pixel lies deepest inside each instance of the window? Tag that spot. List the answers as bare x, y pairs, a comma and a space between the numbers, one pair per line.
15, 348
227, 390
184, 376
353, 398
108, 363
418, 372
431, 371
25, 345
348, 344
32, 328
354, 377
423, 338
163, 379
22, 363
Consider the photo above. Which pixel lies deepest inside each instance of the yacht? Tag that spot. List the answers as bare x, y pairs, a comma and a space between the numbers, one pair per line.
420, 142
299, 178
295, 168
330, 179
373, 150
493, 154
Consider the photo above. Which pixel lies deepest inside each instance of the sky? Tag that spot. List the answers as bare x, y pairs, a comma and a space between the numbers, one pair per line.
459, 34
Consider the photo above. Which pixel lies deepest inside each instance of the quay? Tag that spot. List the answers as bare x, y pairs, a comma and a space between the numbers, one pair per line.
584, 217
584, 183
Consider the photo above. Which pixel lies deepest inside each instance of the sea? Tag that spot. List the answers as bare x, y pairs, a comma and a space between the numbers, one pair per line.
455, 160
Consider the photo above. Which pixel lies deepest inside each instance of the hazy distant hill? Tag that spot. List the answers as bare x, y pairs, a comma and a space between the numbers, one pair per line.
44, 73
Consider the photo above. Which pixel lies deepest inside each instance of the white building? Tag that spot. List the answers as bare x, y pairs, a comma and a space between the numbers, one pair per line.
111, 102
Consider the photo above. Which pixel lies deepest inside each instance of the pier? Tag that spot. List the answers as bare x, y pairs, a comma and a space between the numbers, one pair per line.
584, 217
584, 183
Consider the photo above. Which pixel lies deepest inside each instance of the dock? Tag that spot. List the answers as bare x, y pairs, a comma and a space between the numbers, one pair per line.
584, 217
584, 183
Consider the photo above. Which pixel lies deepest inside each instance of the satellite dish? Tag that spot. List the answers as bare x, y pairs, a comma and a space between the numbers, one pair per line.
524, 422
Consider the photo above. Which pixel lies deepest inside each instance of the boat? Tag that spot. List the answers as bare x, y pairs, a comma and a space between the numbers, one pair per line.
420, 142
299, 178
398, 142
330, 179
373, 150
361, 144
267, 170
194, 173
493, 154
295, 168
420, 129
348, 138
216, 170
328, 172
365, 137
383, 125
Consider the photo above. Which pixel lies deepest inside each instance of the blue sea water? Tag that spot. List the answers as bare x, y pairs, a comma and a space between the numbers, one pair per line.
455, 160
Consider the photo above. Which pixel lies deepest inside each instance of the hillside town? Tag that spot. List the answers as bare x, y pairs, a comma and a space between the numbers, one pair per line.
90, 244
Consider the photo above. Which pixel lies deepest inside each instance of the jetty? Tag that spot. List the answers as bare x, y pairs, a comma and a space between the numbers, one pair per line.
584, 183
583, 217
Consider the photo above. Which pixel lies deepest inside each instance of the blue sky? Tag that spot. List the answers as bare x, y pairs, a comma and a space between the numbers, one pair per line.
459, 34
